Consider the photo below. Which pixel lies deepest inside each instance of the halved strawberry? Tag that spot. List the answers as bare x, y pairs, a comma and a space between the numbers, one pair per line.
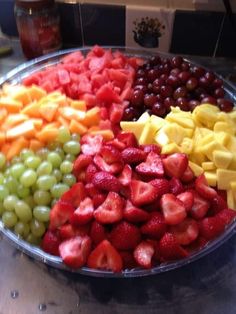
153, 166
80, 165
117, 144
128, 259
202, 187
74, 252
200, 206
125, 236
75, 194
90, 172
91, 144
187, 199
133, 155
143, 254
142, 193
162, 185
176, 187
98, 199
211, 227
169, 249
126, 175
134, 214
51, 241
147, 148
110, 154
106, 181
97, 232
185, 232
84, 213
217, 204
173, 209
188, 175
227, 215
60, 214
68, 231
175, 165
155, 227
111, 210
128, 139
105, 257
102, 165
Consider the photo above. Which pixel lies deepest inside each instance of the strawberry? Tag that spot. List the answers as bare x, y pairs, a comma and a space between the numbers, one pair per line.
110, 154
162, 185
176, 187
51, 242
187, 199
196, 245
91, 190
173, 209
91, 144
211, 227
59, 214
200, 206
226, 215
152, 166
128, 259
80, 165
188, 175
111, 210
155, 227
75, 194
134, 214
185, 232
128, 139
142, 193
169, 249
202, 187
90, 172
114, 168
117, 144
74, 252
98, 199
84, 213
147, 148
106, 181
125, 236
175, 165
143, 254
68, 231
126, 175
97, 232
217, 204
105, 257
132, 155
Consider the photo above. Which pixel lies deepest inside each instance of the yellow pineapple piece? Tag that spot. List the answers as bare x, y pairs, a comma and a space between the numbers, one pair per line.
187, 145
196, 168
211, 177
135, 127
197, 158
223, 138
224, 178
208, 165
161, 138
230, 199
171, 148
145, 117
208, 149
224, 127
222, 159
148, 133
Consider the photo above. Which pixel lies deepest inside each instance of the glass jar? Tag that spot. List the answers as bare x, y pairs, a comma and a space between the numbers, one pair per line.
38, 26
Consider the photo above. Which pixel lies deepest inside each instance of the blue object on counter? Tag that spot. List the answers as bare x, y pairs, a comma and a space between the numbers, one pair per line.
7, 18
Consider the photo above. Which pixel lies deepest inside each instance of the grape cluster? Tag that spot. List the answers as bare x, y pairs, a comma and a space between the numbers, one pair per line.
162, 82
32, 182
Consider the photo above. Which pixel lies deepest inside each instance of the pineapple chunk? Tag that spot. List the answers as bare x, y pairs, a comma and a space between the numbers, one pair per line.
231, 146
208, 149
222, 159
196, 168
224, 178
157, 121
232, 165
174, 132
135, 127
211, 177
161, 138
206, 115
187, 145
145, 117
171, 148
197, 158
232, 116
208, 165
224, 127
230, 199
184, 121
147, 134
223, 138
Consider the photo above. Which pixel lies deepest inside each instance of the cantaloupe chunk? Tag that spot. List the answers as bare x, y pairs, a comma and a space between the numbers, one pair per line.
25, 128
10, 104
92, 117
78, 104
35, 145
71, 113
2, 138
21, 94
48, 111
47, 135
32, 110
108, 135
77, 127
36, 92
3, 114
5, 147
16, 147
12, 120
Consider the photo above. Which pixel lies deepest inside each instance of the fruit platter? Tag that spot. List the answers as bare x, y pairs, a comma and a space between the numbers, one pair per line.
116, 162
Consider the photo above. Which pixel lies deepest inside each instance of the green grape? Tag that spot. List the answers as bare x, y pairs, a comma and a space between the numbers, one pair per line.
54, 159
57, 174
41, 213
45, 182
42, 197
7, 172
16, 160
63, 135
75, 137
9, 219
32, 162
28, 178
60, 152
17, 170
4, 192
32, 239
70, 157
22, 229
22, 191
69, 179
25, 153
2, 209
30, 201
43, 153
71, 147
66, 167
2, 160
1, 178
10, 202
58, 189
44, 168
23, 211
37, 228
12, 184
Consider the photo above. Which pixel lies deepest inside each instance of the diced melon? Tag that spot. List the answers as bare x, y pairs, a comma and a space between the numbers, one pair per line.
78, 104
135, 127
222, 159
147, 134
224, 177
11, 105
208, 165
26, 128
36, 92
196, 168
211, 177
230, 199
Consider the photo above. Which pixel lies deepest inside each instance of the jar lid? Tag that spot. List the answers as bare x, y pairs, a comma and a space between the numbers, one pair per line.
34, 4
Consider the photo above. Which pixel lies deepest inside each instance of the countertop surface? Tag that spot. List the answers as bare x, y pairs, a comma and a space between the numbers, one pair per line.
29, 287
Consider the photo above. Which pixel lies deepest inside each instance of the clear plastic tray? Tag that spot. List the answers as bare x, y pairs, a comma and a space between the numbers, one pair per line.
15, 76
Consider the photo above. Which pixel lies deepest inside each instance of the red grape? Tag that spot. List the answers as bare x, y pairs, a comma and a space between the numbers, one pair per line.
180, 92
149, 100
192, 83
184, 76
225, 104
137, 98
159, 109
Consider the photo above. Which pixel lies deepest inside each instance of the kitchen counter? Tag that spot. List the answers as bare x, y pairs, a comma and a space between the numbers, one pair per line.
30, 287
